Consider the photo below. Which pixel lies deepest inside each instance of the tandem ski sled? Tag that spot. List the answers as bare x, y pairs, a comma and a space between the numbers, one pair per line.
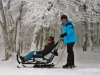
42, 61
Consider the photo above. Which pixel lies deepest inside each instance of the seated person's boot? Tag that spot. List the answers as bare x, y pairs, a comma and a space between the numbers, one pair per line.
22, 59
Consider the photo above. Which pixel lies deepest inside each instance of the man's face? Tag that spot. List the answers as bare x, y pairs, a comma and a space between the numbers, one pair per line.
49, 40
63, 20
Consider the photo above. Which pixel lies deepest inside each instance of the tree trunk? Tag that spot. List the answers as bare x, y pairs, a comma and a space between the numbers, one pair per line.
5, 34
18, 38
8, 52
9, 28
85, 42
91, 36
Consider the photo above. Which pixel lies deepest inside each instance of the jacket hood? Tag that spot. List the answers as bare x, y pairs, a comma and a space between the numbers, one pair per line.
68, 21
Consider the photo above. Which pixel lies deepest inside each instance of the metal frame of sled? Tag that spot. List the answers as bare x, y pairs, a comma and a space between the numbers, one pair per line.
42, 61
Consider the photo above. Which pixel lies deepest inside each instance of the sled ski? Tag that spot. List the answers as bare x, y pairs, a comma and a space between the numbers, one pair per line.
36, 64
23, 66
43, 65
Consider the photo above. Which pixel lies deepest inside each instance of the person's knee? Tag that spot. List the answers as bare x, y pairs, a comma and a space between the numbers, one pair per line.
31, 53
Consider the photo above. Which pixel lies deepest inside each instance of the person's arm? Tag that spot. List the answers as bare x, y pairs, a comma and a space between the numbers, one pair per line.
47, 50
64, 34
43, 51
69, 30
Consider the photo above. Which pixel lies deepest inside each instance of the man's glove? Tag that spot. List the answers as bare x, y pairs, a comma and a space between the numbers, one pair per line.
62, 35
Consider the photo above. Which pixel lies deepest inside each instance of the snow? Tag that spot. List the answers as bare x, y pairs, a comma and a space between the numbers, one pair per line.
88, 63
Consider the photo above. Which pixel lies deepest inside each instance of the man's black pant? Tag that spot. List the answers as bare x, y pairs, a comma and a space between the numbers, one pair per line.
70, 57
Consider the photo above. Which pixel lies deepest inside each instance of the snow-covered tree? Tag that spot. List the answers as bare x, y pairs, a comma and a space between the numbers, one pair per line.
45, 16
27, 24
9, 26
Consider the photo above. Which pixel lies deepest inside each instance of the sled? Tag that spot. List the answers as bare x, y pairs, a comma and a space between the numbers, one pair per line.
42, 61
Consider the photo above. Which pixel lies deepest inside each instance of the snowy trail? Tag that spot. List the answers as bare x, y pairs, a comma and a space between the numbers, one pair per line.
53, 71
88, 63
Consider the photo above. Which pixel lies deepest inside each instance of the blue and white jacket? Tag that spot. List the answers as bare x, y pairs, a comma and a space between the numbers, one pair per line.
68, 28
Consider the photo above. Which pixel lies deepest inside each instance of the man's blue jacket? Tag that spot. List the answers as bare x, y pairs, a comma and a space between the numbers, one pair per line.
69, 29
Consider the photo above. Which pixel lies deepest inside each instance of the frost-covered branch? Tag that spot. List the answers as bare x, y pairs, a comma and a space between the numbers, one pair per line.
2, 13
1, 24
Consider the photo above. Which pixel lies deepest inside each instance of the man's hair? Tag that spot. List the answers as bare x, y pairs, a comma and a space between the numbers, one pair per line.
64, 17
52, 38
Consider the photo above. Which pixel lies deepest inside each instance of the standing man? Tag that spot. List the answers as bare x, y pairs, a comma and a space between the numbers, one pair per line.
69, 38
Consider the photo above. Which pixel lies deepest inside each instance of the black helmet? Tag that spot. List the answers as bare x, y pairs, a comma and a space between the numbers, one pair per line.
64, 17
52, 38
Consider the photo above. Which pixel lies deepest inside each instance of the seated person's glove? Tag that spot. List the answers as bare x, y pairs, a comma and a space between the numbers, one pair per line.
62, 35
55, 53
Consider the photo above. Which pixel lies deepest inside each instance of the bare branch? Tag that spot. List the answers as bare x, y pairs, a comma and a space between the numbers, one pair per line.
1, 24
21, 10
12, 21
9, 4
3, 15
19, 18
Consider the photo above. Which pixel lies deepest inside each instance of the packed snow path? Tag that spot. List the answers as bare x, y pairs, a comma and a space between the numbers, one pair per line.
88, 63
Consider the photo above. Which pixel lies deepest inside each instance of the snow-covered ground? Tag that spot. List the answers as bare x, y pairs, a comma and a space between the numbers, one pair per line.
88, 63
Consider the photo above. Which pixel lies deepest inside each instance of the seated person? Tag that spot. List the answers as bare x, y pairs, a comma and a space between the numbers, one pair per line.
47, 49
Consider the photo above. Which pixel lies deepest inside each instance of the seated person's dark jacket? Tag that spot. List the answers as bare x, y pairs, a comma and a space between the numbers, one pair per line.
47, 49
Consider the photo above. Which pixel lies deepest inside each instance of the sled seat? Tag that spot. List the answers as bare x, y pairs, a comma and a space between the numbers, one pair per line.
35, 56
47, 58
